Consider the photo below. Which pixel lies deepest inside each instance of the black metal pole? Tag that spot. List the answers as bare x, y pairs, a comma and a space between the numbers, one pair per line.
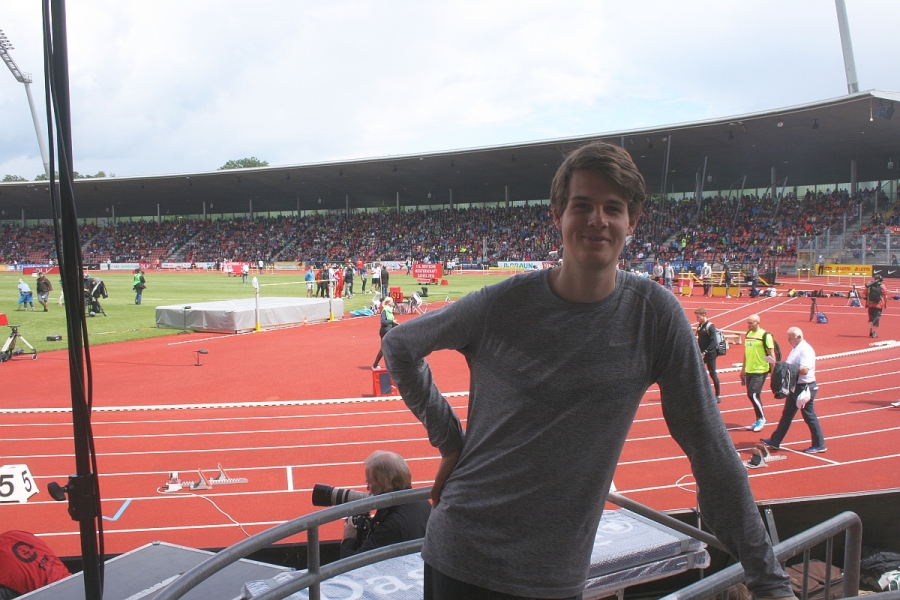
82, 489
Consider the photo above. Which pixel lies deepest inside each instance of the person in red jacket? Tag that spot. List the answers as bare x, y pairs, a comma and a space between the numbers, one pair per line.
26, 564
876, 302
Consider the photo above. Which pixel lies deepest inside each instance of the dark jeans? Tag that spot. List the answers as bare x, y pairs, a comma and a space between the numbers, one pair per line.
808, 412
441, 587
710, 361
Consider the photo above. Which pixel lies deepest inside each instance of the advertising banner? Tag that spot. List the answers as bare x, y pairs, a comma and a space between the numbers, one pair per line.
527, 265
886, 271
46, 270
834, 269
427, 272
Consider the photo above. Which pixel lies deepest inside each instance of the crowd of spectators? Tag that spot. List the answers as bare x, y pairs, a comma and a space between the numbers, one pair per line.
750, 230
753, 229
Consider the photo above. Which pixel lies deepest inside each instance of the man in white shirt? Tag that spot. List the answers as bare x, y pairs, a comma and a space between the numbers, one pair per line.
706, 278
803, 396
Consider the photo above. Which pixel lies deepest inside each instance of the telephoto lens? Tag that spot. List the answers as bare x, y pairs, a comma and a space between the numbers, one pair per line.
325, 495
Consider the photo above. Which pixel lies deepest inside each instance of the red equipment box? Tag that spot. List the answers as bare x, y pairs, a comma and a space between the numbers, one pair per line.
382, 383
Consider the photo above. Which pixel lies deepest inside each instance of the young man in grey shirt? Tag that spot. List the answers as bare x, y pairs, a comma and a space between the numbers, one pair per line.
559, 362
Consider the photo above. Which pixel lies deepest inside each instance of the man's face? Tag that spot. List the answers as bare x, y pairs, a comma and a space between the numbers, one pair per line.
701, 319
793, 340
594, 223
752, 324
372, 484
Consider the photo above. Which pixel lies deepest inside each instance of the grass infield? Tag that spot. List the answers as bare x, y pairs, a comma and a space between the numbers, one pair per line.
127, 321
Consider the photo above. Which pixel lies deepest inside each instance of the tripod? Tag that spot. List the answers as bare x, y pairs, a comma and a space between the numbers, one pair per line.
9, 347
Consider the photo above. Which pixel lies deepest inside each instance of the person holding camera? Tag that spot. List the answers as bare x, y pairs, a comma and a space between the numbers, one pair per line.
876, 302
386, 472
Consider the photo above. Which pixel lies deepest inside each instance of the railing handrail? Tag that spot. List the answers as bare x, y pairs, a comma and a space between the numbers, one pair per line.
848, 522
191, 578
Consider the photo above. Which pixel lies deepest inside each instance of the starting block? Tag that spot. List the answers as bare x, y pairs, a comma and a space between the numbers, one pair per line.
762, 457
175, 484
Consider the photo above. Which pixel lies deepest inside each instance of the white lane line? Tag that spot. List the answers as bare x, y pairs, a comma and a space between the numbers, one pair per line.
755, 473
213, 405
281, 417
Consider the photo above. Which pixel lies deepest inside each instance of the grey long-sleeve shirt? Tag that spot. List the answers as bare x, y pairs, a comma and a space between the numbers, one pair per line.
554, 389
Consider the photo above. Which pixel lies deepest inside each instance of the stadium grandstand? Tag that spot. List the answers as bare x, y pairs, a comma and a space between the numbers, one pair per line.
752, 188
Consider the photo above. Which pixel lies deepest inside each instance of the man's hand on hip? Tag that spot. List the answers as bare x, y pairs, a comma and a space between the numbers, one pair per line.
448, 463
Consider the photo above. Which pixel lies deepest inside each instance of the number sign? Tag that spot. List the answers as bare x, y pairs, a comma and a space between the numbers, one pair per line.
16, 484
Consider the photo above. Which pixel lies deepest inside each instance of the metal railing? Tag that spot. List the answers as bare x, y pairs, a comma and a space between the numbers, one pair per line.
846, 522
311, 524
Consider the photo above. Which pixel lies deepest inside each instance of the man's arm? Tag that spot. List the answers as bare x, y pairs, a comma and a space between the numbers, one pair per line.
711, 346
723, 490
457, 326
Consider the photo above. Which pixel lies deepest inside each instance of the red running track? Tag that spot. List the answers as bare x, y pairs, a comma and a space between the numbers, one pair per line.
287, 409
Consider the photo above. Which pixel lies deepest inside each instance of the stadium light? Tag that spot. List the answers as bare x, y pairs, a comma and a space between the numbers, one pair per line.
25, 78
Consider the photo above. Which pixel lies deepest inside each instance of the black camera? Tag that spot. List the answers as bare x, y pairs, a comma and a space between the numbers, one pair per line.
326, 495
364, 524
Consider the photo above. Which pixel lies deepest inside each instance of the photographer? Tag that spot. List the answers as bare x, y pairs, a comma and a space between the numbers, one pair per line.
387, 472
875, 303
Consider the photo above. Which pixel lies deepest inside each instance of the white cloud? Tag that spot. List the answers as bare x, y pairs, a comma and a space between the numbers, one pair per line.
172, 86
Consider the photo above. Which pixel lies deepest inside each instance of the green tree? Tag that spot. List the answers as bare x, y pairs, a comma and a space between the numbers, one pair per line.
76, 175
244, 163
13, 178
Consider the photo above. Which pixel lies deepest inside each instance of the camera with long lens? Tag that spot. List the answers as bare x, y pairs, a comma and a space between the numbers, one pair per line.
326, 495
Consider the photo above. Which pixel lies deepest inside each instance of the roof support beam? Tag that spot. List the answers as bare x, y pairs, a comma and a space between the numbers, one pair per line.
847, 47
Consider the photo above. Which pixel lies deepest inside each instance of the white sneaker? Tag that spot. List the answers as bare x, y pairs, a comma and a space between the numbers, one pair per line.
757, 426
896, 404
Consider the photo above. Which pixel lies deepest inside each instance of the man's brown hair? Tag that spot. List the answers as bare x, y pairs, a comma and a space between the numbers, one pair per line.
609, 162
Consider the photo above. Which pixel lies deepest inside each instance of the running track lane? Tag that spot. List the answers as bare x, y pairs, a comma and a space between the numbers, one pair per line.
284, 450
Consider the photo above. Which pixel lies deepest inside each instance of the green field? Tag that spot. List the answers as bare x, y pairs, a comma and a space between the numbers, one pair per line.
127, 321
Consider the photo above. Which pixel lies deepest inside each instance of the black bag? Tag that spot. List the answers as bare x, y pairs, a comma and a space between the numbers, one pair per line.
874, 293
775, 343
721, 343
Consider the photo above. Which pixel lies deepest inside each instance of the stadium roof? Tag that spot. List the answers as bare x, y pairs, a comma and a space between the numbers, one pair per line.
807, 144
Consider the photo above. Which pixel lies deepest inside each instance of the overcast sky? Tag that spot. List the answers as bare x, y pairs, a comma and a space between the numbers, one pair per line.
172, 87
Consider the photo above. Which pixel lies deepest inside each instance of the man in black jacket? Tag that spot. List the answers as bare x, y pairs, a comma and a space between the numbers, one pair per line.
388, 472
44, 287
706, 337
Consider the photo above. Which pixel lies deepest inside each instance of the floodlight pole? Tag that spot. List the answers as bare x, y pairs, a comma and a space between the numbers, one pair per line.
847, 47
25, 79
